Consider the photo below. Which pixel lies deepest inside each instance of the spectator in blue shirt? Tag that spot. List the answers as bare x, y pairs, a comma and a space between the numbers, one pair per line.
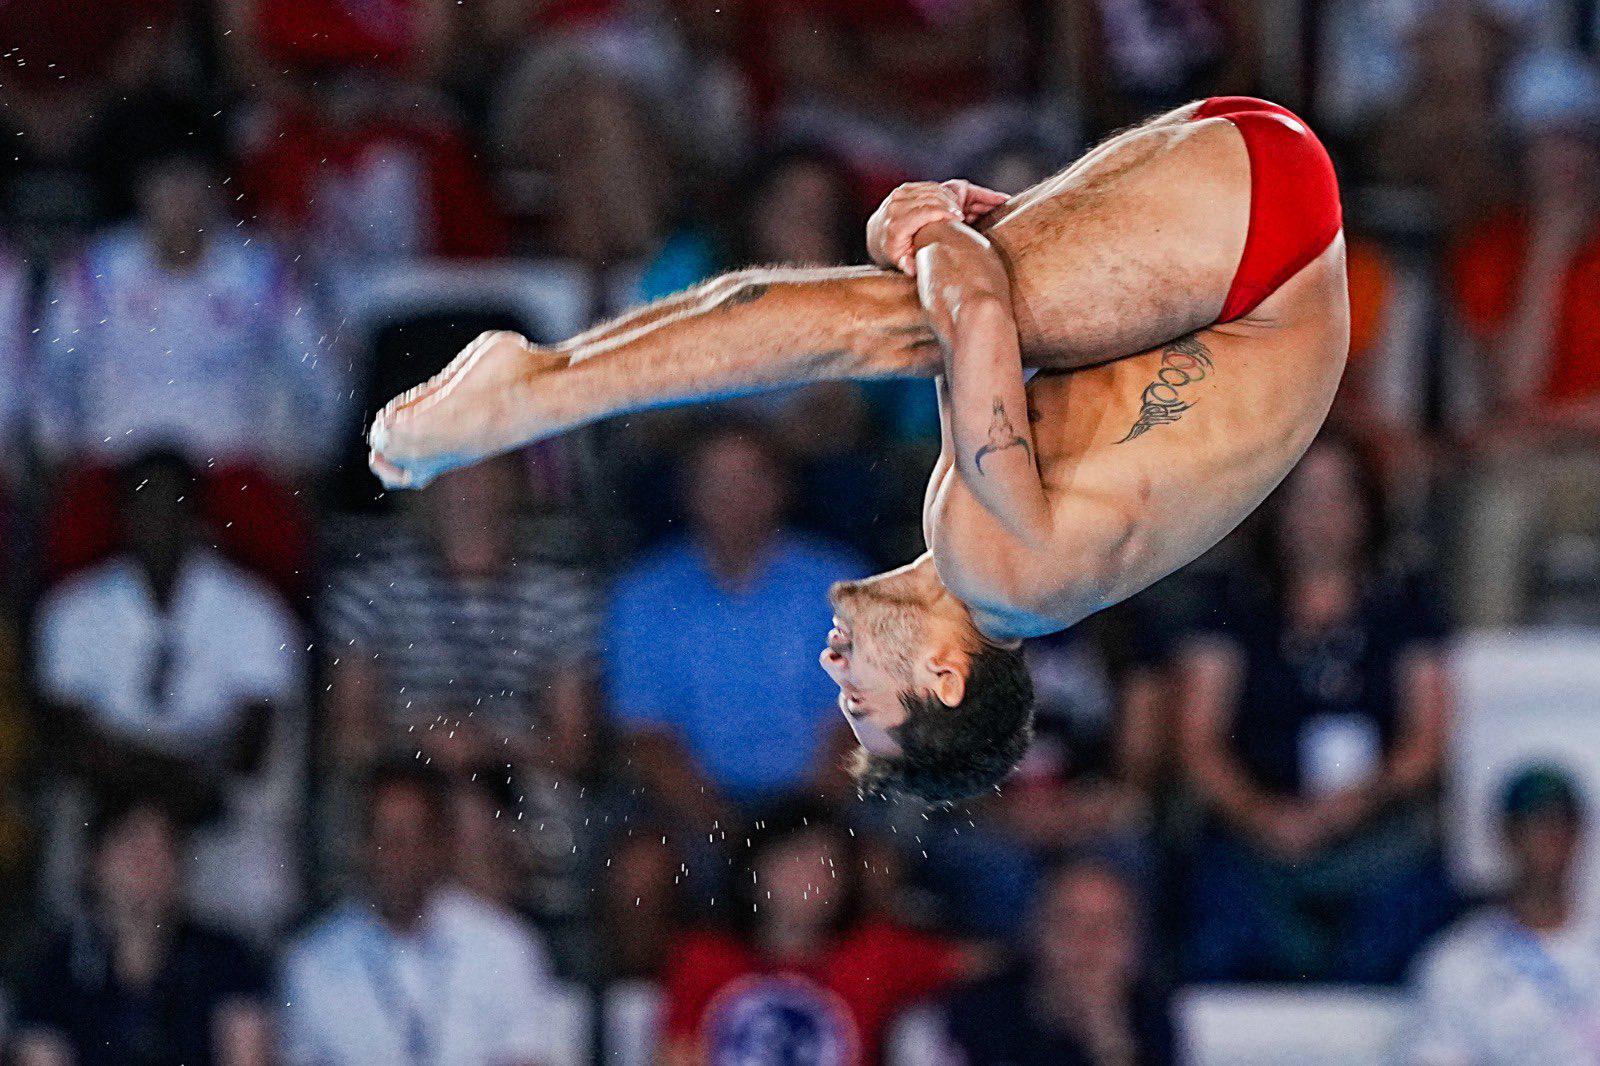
711, 640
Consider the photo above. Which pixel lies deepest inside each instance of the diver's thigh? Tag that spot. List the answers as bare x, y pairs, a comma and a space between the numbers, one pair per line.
1132, 249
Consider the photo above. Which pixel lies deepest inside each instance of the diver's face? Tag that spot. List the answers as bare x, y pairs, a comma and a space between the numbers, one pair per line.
879, 627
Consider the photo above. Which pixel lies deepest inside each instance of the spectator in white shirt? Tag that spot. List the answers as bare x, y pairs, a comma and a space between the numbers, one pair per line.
184, 328
167, 664
416, 972
1518, 982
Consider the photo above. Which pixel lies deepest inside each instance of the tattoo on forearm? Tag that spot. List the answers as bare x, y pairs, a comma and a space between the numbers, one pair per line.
1183, 362
1002, 435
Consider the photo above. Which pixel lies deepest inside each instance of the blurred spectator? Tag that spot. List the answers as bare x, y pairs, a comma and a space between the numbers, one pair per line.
183, 329
70, 91
1128, 58
133, 981
358, 173
797, 206
445, 637
679, 54
1081, 996
712, 640
1517, 982
1528, 283
642, 905
167, 666
417, 970
1382, 401
1314, 713
804, 976
1414, 89
886, 81
588, 168
267, 39
490, 860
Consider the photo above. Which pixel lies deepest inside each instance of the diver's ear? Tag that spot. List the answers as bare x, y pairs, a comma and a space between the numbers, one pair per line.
948, 673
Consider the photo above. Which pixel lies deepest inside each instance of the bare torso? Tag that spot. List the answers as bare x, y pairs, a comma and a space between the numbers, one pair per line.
1182, 441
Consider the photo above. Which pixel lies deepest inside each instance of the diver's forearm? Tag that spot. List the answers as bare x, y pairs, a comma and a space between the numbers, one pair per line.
963, 288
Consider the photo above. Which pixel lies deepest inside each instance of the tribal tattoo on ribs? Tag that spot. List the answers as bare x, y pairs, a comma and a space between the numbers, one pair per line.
1002, 435
1183, 362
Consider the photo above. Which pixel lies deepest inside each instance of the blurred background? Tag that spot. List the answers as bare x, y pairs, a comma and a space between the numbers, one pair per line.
1324, 796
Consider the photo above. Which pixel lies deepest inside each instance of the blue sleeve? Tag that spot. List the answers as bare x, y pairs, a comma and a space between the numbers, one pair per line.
638, 671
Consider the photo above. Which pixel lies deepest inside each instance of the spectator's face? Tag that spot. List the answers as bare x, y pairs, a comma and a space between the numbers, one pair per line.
799, 883
1086, 930
470, 513
176, 200
136, 867
735, 493
405, 852
485, 850
895, 633
641, 901
796, 217
1543, 847
1324, 518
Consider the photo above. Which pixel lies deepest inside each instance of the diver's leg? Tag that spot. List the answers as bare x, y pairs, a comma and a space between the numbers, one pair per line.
740, 333
1132, 248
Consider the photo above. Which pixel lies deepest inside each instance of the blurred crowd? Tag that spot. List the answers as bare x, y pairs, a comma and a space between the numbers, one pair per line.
292, 770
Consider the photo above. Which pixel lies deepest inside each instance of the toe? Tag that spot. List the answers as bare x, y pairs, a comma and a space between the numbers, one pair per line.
392, 476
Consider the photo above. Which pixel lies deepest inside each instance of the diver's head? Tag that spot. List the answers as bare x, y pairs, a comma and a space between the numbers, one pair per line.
941, 712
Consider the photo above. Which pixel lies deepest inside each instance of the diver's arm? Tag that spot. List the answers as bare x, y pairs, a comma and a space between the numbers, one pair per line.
1010, 551
965, 291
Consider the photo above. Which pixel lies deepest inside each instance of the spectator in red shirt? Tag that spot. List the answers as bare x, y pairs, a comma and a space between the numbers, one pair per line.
807, 969
359, 171
1527, 284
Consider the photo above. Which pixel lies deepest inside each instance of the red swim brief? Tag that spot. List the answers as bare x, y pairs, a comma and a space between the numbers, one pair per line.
1294, 198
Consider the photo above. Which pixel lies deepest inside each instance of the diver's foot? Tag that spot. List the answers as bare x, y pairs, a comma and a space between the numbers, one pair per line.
477, 406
